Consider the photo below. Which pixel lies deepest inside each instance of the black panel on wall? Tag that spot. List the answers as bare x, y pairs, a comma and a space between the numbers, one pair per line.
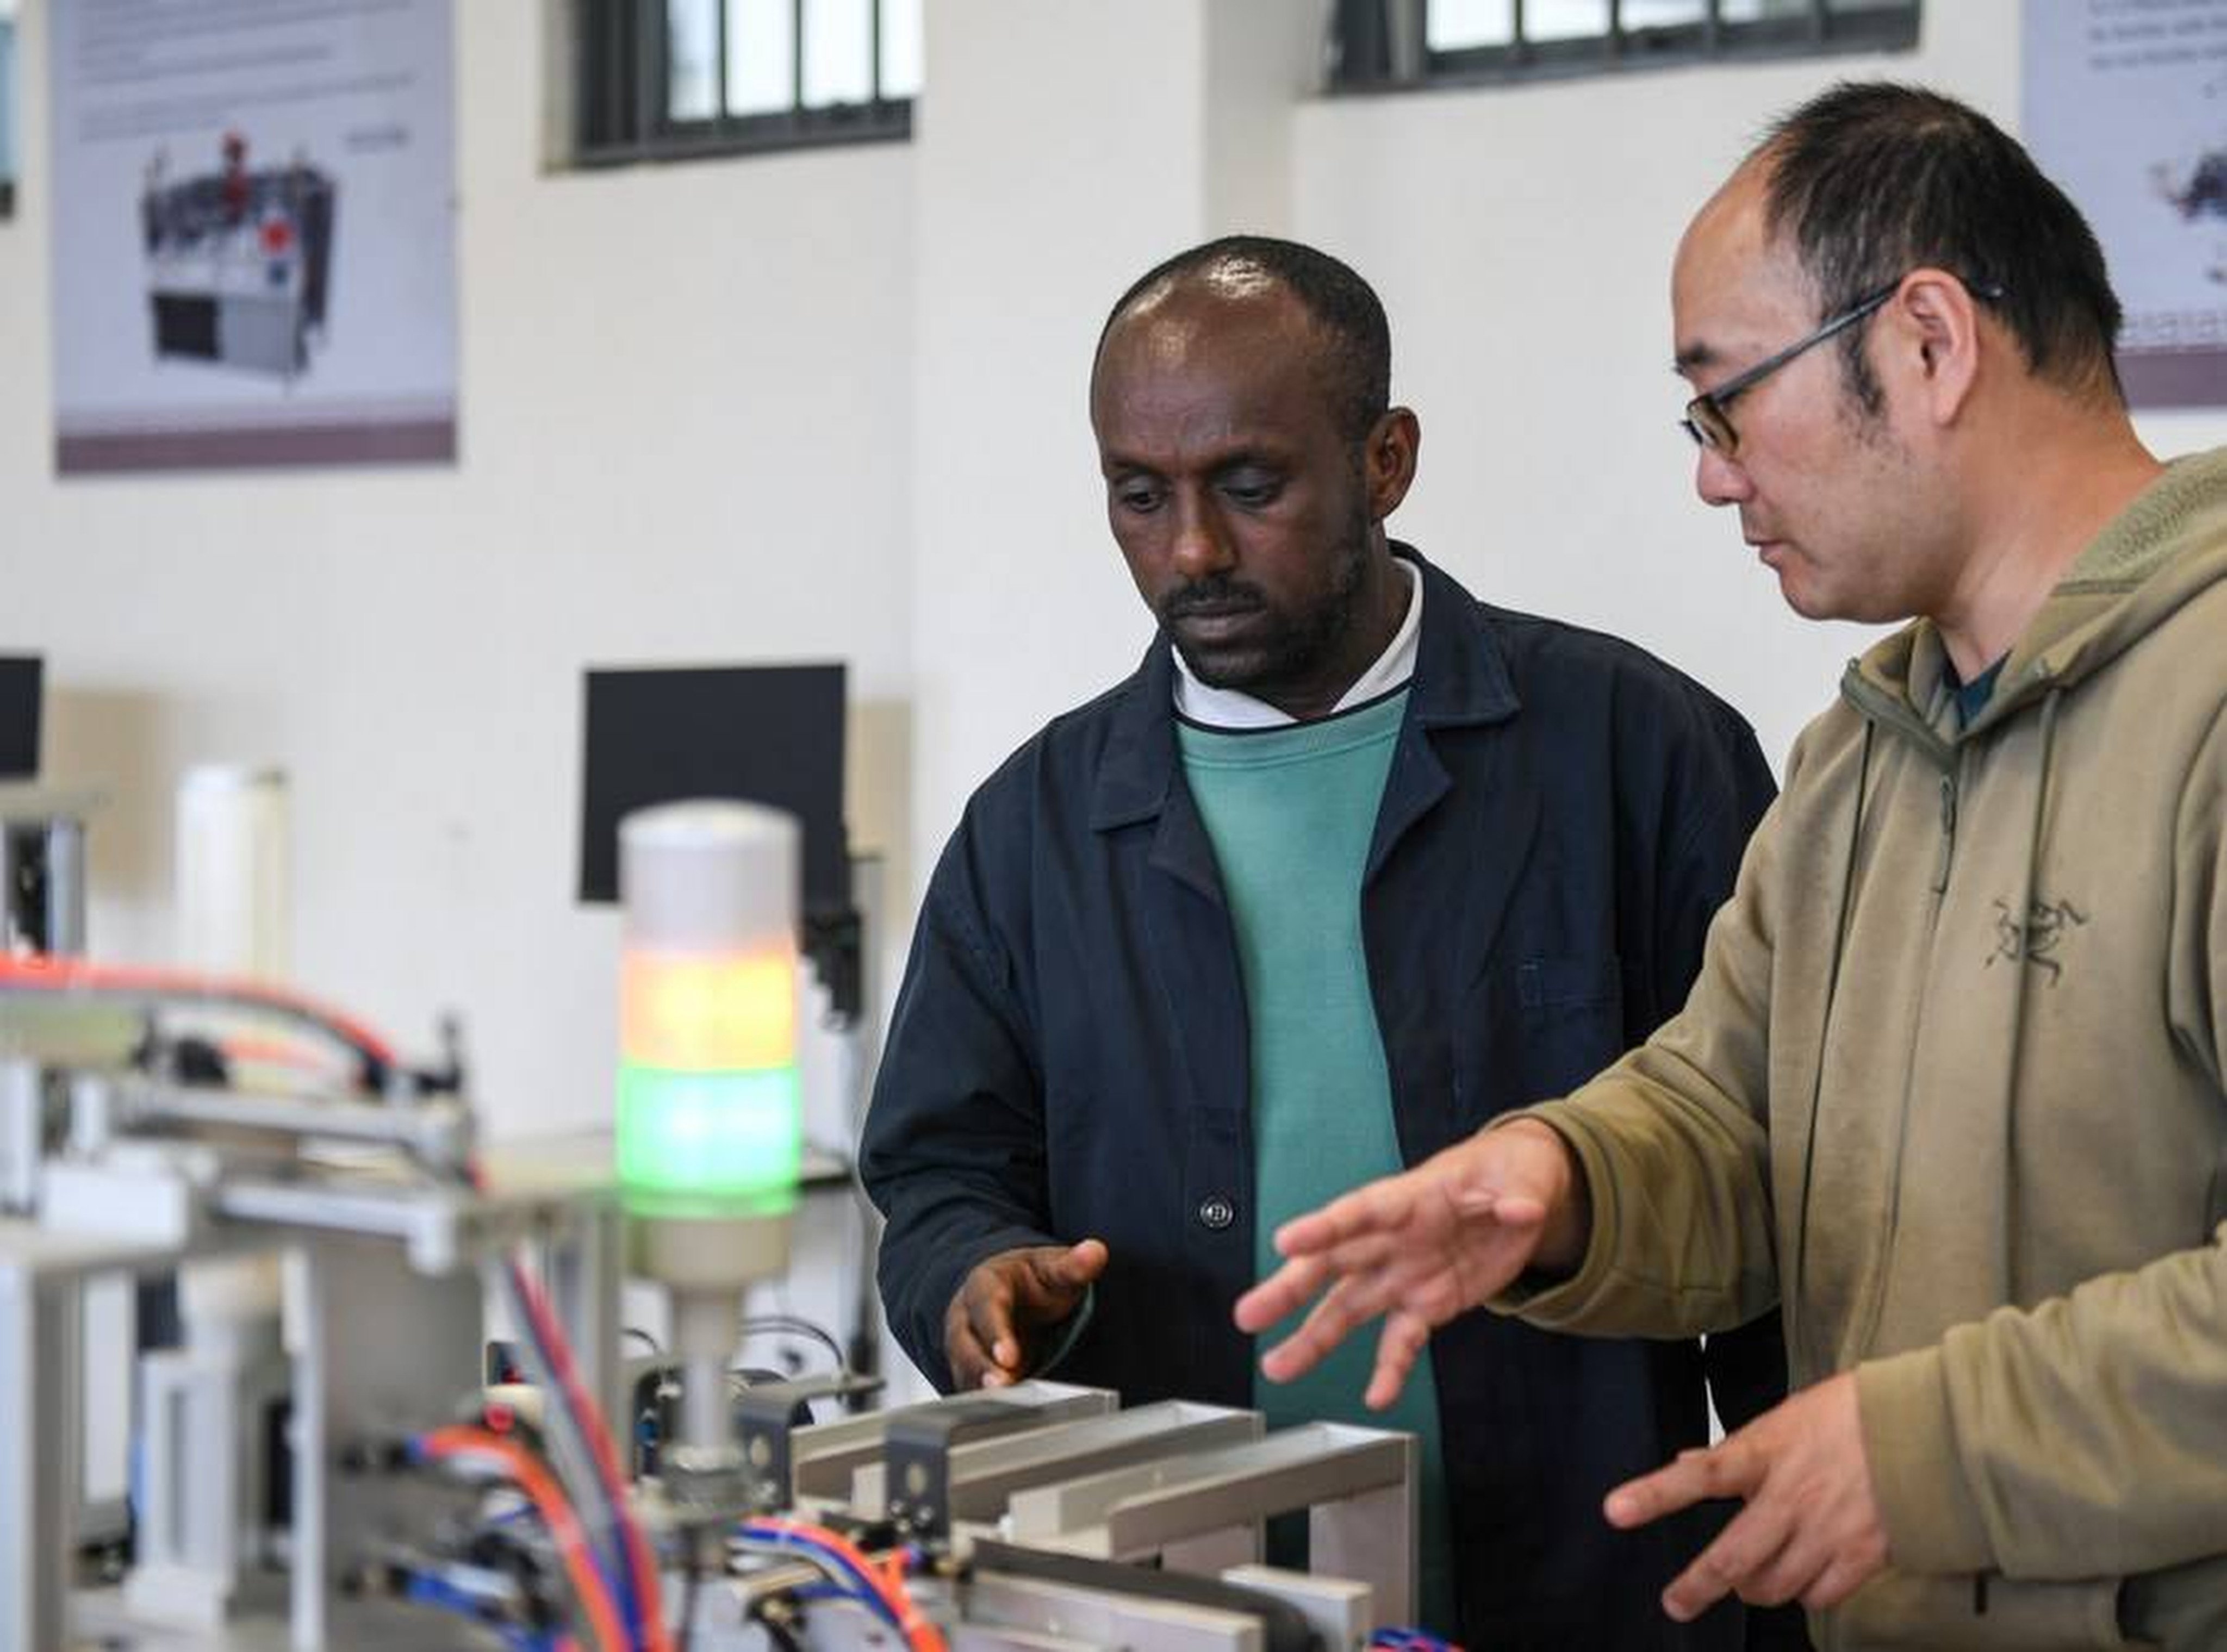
762, 734
20, 678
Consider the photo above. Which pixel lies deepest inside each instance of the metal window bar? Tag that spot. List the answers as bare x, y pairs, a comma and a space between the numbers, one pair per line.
1368, 32
12, 68
795, 56
653, 74
624, 76
719, 104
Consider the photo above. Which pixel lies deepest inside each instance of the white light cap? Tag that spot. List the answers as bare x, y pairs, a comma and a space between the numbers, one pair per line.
710, 874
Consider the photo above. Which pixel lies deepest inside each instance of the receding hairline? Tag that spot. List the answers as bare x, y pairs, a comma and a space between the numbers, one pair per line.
1233, 279
1233, 274
1751, 190
1742, 196
1346, 341
1262, 288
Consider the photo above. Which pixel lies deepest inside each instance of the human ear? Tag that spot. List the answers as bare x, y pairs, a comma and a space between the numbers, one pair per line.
1933, 327
1389, 460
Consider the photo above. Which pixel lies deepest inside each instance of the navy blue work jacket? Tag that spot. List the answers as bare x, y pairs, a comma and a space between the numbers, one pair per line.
1069, 1057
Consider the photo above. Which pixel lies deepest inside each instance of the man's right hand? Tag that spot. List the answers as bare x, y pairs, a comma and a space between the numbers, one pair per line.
1421, 1247
994, 1331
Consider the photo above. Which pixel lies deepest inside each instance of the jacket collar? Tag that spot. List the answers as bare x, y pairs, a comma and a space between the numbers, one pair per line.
2165, 548
1461, 678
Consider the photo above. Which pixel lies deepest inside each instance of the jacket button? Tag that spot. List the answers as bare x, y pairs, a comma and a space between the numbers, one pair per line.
1216, 1213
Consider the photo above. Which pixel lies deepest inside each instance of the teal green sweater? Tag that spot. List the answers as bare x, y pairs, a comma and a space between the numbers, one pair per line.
1290, 811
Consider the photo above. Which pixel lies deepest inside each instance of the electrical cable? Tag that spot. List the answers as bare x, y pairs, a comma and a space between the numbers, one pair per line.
378, 1060
1399, 1638
571, 1420
845, 1583
650, 1618
375, 1055
567, 1446
795, 1325
886, 1583
443, 1444
634, 1569
428, 1589
547, 1498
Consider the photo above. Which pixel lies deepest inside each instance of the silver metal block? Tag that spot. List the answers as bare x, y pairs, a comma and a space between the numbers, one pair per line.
826, 1454
1375, 1538
1359, 1482
204, 1477
985, 1473
1341, 1610
1073, 1616
22, 1134
39, 1467
104, 1623
139, 1191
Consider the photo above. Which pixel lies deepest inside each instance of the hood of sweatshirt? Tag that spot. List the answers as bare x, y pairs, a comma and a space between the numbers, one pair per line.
2153, 558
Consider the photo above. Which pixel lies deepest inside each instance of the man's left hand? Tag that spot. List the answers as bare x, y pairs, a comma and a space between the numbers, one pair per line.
1811, 1530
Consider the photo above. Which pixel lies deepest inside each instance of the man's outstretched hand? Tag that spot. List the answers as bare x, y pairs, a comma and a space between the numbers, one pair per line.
1812, 1529
994, 1330
1420, 1247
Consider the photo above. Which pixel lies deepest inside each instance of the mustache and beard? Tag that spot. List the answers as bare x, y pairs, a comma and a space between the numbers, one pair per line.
1290, 644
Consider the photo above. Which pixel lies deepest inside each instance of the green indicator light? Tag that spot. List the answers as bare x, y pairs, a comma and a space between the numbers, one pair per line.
709, 1144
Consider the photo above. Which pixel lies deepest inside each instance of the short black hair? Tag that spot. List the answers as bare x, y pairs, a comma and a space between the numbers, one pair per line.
1870, 180
1356, 339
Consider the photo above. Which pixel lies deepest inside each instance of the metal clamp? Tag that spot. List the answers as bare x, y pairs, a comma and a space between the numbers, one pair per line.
918, 1457
765, 1413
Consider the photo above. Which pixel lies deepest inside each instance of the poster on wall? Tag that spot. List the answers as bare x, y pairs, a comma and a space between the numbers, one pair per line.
2126, 108
254, 235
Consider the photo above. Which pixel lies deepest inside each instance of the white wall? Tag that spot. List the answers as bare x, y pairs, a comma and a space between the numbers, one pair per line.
832, 404
1522, 239
1068, 146
686, 438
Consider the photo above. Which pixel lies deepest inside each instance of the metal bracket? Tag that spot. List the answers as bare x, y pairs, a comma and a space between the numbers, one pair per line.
763, 1418
918, 1457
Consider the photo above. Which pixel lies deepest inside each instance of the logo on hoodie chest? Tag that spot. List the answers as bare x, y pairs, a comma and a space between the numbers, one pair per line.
2040, 940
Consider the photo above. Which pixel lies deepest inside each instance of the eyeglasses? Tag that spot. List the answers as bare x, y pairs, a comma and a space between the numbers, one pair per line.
1706, 420
1710, 427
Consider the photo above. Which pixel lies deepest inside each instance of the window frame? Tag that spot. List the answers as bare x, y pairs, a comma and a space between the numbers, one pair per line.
11, 104
1391, 41
620, 88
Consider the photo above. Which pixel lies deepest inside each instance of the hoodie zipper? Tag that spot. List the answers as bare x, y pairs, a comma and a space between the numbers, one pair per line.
1948, 836
1949, 761
1866, 1323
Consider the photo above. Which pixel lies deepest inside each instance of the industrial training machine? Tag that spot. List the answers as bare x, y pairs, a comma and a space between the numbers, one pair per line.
399, 1410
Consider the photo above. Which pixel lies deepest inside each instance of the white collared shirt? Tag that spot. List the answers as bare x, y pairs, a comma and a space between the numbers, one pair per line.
1228, 708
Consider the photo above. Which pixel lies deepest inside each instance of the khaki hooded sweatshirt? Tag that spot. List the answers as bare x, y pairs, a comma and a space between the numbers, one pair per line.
1949, 1088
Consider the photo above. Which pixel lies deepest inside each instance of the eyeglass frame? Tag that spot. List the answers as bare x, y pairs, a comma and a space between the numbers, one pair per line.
1709, 406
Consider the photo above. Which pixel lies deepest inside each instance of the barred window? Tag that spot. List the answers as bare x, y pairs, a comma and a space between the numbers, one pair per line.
1389, 45
668, 80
